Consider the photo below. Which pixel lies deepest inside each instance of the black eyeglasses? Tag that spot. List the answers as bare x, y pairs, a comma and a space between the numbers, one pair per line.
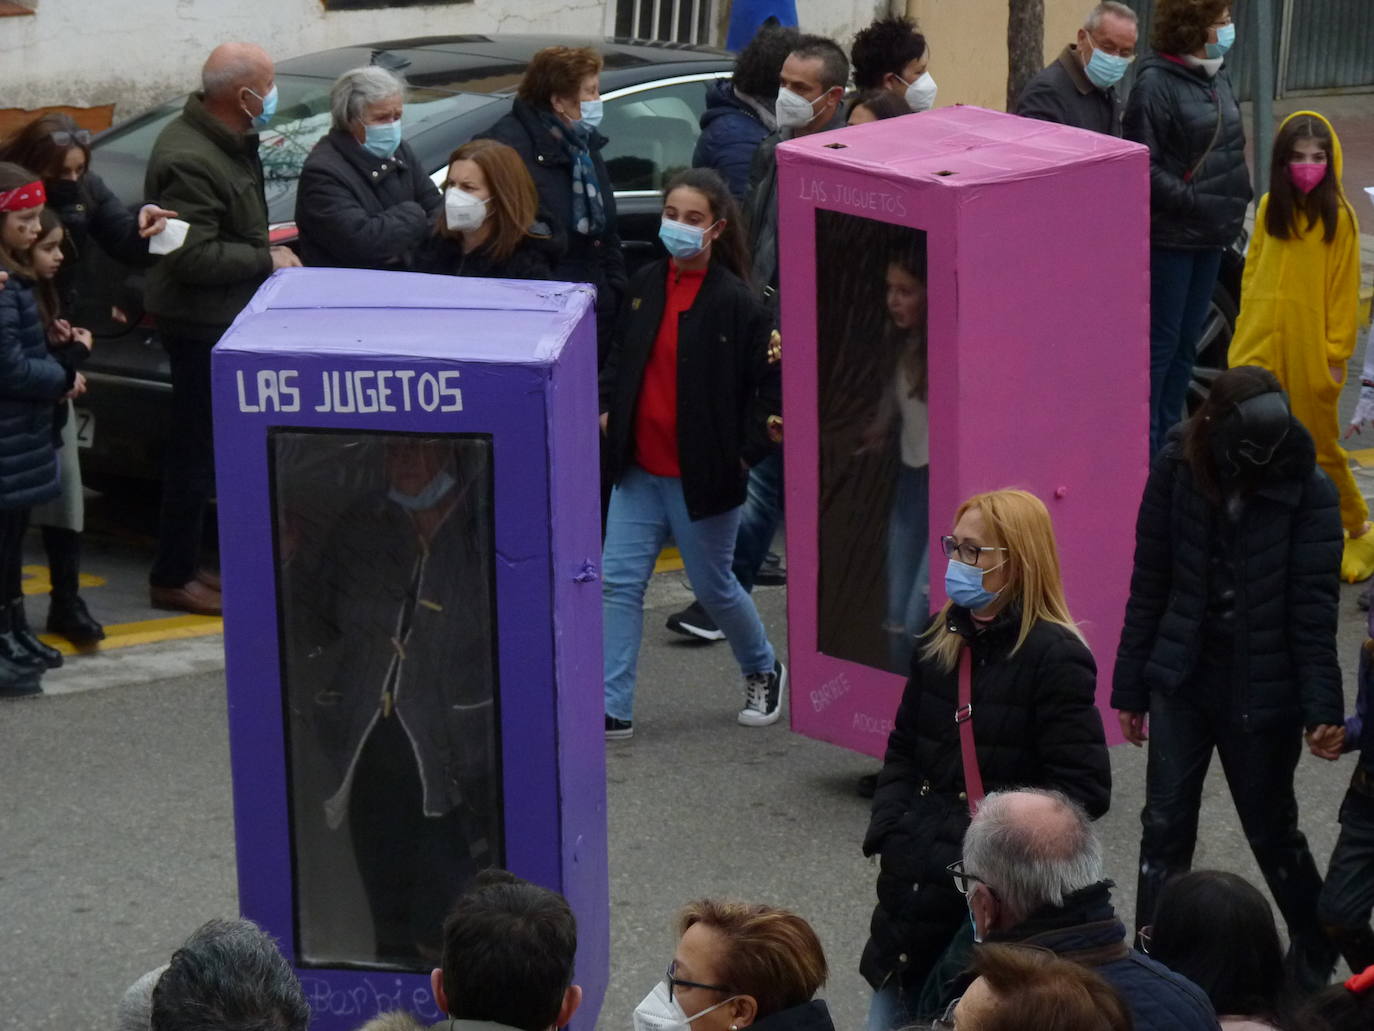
1145, 934
965, 551
63, 138
963, 880
945, 1022
677, 982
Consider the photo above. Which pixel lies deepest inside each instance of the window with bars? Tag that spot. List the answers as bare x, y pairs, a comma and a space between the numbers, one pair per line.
666, 21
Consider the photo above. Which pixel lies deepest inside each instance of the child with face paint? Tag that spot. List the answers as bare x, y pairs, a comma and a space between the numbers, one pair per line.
1300, 300
1031, 684
31, 381
687, 392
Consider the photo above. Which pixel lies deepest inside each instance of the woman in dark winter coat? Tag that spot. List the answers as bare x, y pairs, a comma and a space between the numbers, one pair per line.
489, 224
59, 151
363, 200
1230, 642
739, 111
740, 965
552, 126
31, 382
686, 396
1182, 108
1034, 722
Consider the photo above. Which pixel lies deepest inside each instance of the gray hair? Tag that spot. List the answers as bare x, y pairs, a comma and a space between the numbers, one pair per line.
1031, 861
355, 90
232, 66
229, 975
1108, 7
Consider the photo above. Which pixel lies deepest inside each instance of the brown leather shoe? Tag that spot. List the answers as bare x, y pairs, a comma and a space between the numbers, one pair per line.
192, 596
210, 579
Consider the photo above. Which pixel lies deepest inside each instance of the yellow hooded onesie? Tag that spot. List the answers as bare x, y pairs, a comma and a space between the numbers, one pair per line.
1298, 319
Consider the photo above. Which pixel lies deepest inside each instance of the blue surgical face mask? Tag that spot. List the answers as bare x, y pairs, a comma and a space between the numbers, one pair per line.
1105, 70
683, 241
591, 113
382, 140
964, 585
973, 920
269, 108
1226, 38
430, 494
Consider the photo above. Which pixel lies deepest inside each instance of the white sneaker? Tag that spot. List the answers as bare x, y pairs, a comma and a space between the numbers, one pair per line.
763, 695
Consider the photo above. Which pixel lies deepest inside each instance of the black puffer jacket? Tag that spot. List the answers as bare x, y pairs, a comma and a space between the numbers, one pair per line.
588, 259
1199, 185
1035, 725
726, 385
1282, 559
356, 210
535, 258
30, 381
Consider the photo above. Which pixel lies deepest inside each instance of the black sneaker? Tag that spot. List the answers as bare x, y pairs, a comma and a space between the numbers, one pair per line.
763, 694
618, 730
694, 622
772, 573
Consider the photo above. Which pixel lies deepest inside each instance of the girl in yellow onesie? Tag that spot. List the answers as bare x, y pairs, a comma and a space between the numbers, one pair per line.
1299, 304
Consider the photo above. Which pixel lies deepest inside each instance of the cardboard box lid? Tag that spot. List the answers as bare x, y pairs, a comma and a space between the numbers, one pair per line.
345, 312
958, 146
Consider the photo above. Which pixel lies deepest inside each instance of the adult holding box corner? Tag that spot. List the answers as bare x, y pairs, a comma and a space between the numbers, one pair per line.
205, 166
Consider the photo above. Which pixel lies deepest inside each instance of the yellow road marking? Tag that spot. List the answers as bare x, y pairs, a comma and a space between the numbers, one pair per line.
669, 561
146, 631
1365, 457
36, 580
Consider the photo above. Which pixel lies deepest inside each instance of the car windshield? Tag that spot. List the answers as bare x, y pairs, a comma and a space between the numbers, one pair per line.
302, 118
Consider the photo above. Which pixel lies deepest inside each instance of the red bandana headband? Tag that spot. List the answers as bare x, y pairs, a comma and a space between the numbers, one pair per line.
21, 198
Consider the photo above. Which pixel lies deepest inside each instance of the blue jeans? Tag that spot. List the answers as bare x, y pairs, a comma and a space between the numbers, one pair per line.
1181, 284
887, 1010
644, 510
759, 519
908, 564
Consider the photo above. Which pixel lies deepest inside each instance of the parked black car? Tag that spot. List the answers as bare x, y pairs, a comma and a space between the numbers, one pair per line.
458, 87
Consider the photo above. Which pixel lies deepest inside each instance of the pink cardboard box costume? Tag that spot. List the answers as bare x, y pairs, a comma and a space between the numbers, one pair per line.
1033, 240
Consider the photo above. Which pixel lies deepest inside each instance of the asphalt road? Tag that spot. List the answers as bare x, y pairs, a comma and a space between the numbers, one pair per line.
116, 836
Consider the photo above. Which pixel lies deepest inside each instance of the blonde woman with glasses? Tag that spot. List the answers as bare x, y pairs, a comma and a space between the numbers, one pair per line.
1001, 695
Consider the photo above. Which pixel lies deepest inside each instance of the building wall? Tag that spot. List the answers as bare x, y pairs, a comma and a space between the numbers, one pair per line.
968, 44
136, 52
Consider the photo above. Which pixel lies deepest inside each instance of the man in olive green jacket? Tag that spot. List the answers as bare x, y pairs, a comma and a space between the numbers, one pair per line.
205, 167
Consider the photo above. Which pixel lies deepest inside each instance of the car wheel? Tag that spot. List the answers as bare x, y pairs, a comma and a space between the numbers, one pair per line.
1217, 331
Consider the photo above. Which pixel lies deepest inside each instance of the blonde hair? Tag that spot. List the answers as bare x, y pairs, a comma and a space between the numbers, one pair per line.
1021, 524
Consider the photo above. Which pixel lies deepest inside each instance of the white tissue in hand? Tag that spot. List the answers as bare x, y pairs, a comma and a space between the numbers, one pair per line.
170, 238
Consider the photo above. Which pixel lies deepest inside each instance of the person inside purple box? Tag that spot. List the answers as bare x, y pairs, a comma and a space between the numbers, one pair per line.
387, 600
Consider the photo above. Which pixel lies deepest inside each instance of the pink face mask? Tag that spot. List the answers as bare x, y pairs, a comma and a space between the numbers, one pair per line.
1306, 174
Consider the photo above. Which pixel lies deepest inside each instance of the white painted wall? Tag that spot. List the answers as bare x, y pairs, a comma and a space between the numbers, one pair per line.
137, 52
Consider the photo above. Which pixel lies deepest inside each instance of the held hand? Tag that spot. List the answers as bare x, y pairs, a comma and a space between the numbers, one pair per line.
1325, 742
60, 332
1133, 726
78, 388
605, 421
285, 257
153, 220
84, 338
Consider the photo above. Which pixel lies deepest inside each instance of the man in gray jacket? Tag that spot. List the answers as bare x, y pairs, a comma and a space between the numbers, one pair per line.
1080, 87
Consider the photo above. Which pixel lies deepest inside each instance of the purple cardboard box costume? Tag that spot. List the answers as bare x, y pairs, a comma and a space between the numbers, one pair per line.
964, 308
407, 480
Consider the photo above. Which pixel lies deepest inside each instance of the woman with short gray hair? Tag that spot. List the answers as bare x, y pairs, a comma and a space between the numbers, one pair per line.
363, 200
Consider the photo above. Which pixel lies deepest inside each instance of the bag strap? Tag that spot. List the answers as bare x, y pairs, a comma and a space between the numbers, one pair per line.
963, 716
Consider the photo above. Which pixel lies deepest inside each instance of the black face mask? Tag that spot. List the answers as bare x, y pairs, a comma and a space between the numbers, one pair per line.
62, 192
1247, 437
